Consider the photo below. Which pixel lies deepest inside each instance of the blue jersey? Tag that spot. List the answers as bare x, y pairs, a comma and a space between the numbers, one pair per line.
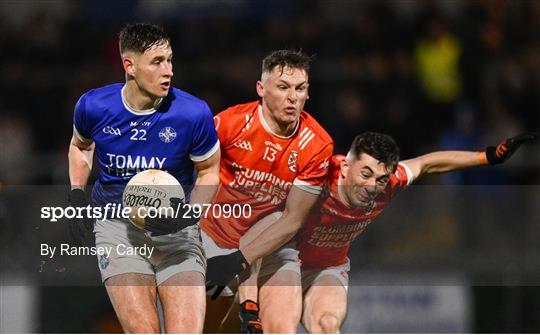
171, 137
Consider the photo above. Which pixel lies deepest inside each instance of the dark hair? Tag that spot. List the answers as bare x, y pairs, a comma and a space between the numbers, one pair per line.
379, 146
295, 59
140, 37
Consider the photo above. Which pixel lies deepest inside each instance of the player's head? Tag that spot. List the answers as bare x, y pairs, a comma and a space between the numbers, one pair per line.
366, 171
147, 58
284, 84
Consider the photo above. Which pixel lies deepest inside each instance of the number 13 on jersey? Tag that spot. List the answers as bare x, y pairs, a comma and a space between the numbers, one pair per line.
270, 154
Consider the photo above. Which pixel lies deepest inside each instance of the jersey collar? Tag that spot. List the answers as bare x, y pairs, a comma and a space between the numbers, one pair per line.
140, 111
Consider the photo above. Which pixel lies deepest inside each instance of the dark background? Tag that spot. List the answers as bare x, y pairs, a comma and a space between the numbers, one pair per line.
434, 74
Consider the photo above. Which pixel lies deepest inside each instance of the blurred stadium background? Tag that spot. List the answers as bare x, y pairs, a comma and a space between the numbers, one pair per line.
457, 253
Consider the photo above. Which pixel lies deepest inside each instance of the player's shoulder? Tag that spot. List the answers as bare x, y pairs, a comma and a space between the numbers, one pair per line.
335, 162
96, 95
182, 100
101, 98
238, 111
308, 125
334, 170
237, 115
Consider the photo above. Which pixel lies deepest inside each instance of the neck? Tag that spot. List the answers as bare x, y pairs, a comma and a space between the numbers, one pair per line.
341, 193
277, 128
137, 98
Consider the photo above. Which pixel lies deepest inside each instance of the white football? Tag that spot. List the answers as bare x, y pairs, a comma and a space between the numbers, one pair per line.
150, 189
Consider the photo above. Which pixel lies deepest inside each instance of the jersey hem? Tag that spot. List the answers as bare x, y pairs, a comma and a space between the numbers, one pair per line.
313, 189
79, 136
410, 176
207, 155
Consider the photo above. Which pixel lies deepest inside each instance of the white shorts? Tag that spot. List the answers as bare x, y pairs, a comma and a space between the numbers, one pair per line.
171, 254
285, 258
340, 272
211, 249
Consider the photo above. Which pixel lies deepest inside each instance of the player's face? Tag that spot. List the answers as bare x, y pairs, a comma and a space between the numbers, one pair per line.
284, 92
363, 179
153, 70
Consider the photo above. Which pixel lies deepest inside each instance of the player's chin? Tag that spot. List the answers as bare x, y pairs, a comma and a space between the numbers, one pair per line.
162, 91
289, 117
361, 202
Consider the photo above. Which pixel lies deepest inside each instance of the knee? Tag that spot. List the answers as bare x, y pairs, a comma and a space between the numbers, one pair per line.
141, 326
329, 324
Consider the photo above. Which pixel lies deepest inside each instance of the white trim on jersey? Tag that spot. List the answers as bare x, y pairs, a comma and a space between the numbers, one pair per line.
410, 176
79, 136
305, 136
218, 122
137, 111
313, 189
267, 127
205, 156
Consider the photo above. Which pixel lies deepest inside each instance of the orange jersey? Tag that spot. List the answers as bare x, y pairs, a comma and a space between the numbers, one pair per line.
325, 238
259, 167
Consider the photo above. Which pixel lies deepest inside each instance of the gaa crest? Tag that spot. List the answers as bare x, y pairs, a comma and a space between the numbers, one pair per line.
167, 134
293, 160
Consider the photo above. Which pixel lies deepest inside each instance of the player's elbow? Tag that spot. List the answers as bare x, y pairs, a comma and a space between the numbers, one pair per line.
73, 153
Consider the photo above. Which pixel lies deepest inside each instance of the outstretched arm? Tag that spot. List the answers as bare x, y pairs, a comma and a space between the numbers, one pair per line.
446, 161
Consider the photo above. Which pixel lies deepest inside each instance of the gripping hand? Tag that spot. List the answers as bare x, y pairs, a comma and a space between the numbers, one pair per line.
503, 151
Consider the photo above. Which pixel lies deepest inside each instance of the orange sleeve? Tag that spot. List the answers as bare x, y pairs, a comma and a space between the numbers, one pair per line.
231, 121
401, 179
312, 176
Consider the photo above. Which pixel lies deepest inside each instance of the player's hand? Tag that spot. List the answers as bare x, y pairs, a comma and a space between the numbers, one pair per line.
167, 225
249, 318
501, 153
221, 270
81, 230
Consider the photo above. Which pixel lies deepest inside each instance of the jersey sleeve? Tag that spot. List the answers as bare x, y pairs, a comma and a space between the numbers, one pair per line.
227, 123
205, 139
403, 175
401, 179
81, 122
311, 178
221, 128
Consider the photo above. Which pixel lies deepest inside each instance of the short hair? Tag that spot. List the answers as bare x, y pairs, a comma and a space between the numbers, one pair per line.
140, 37
382, 147
294, 59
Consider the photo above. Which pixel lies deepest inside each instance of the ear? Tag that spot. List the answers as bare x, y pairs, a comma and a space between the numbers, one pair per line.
344, 168
260, 88
129, 65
